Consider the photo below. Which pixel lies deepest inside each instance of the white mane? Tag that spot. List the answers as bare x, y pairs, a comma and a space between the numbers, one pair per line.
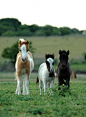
22, 40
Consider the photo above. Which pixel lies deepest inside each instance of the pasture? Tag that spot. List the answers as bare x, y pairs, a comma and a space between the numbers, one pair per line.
75, 43
64, 103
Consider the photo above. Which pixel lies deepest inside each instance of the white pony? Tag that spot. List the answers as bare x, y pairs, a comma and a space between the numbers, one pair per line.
24, 66
46, 74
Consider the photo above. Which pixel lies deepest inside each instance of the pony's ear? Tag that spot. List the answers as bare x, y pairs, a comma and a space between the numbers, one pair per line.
60, 51
53, 55
45, 56
27, 42
68, 52
20, 42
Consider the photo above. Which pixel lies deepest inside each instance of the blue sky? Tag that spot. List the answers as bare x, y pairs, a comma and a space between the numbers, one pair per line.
59, 13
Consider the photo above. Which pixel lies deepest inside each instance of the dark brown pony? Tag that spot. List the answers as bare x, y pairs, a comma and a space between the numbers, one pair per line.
64, 70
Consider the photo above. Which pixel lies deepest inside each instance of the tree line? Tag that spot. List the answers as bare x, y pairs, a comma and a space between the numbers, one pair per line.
13, 27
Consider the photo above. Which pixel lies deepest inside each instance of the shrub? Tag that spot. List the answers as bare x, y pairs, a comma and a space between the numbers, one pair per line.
84, 54
11, 52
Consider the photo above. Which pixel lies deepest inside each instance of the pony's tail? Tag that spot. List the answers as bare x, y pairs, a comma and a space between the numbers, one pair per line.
37, 80
75, 75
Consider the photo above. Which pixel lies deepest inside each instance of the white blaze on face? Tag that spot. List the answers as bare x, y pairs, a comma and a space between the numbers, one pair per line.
24, 52
50, 60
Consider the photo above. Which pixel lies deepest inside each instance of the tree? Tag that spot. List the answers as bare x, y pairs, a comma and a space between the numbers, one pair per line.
9, 24
64, 31
13, 27
33, 28
48, 30
11, 52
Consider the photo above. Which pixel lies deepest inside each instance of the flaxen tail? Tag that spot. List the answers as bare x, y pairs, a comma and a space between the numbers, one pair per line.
37, 80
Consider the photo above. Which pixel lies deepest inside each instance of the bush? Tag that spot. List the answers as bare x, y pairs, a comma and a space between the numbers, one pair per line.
11, 52
84, 54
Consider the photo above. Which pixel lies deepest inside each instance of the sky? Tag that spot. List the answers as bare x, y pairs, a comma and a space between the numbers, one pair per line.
59, 13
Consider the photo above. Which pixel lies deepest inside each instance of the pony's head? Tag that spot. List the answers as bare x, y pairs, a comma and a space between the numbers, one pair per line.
49, 58
24, 48
63, 58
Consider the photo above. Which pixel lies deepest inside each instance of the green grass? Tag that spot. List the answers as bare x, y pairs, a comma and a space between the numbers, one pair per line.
64, 103
79, 67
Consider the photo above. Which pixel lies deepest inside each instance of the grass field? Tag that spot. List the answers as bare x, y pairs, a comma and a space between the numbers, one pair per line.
75, 43
64, 103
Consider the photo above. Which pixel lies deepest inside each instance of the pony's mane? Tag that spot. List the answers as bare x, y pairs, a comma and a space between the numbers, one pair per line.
21, 40
63, 51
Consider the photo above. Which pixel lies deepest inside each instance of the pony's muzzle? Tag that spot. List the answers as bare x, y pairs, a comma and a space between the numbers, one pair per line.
52, 70
64, 66
23, 59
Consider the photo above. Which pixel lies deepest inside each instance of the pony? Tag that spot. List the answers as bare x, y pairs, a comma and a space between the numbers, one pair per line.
46, 73
64, 70
24, 66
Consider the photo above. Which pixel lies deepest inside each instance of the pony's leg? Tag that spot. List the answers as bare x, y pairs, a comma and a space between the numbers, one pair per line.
18, 90
67, 82
24, 88
48, 84
17, 84
45, 87
40, 86
27, 84
59, 82
52, 86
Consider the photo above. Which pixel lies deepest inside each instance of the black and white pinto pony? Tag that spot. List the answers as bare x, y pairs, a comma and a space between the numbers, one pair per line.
46, 74
64, 70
